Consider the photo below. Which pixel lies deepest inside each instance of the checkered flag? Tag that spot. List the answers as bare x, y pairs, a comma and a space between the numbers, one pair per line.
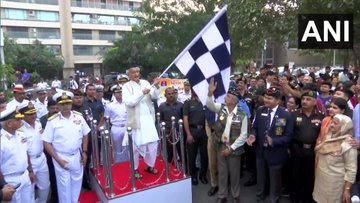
208, 56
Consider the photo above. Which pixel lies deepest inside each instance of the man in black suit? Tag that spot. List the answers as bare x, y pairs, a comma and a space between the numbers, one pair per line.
271, 132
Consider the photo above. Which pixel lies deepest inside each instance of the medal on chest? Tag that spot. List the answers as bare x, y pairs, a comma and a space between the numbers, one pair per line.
221, 117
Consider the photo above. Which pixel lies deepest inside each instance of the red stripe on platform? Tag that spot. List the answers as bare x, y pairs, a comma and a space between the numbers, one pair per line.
122, 181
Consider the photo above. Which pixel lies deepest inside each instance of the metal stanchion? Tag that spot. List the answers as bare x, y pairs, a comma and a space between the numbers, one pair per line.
105, 135
132, 164
88, 119
173, 134
165, 151
158, 124
158, 128
101, 128
112, 148
95, 147
182, 147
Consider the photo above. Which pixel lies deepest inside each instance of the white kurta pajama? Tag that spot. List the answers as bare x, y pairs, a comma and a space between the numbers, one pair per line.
141, 118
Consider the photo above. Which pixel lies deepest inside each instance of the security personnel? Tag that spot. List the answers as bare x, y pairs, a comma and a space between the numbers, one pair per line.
170, 108
231, 129
41, 102
33, 131
194, 125
117, 113
272, 130
15, 164
307, 123
65, 139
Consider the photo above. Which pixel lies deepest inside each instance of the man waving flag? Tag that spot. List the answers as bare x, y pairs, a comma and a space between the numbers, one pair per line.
208, 56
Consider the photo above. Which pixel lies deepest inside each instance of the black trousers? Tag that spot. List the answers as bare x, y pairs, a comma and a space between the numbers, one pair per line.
200, 143
303, 177
274, 174
250, 160
52, 177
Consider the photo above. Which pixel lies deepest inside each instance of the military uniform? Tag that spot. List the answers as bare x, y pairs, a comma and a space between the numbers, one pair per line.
306, 131
195, 113
14, 159
35, 149
66, 135
117, 114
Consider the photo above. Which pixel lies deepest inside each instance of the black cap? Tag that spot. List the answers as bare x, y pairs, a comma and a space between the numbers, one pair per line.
273, 92
235, 92
309, 94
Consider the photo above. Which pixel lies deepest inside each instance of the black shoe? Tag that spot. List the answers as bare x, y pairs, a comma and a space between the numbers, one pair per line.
194, 181
203, 179
213, 191
260, 198
250, 182
221, 200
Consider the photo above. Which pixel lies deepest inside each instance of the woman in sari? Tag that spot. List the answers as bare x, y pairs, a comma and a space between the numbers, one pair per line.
337, 163
337, 106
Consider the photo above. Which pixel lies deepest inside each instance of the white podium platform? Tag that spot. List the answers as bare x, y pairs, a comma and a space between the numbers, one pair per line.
175, 192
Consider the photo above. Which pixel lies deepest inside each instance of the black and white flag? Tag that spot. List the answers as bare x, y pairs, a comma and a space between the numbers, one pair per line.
208, 56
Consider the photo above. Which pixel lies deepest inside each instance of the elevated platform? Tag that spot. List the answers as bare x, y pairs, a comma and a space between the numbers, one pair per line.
154, 188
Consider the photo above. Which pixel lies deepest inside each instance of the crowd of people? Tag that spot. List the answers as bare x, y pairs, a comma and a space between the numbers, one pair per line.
296, 135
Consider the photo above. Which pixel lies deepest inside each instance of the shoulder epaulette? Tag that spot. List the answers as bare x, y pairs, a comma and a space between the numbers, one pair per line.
78, 113
52, 117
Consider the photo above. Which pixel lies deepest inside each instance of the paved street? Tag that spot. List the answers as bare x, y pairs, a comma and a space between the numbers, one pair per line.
247, 194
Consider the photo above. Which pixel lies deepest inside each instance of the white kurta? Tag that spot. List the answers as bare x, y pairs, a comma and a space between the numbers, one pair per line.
145, 138
147, 132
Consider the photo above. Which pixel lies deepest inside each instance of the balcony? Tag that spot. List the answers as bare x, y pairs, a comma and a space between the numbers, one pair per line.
49, 2
99, 5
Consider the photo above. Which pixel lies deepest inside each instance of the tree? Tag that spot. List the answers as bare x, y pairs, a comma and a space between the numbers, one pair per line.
165, 29
35, 57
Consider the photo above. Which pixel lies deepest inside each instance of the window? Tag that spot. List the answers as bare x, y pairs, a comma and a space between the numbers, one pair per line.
18, 32
48, 33
15, 14
56, 49
82, 34
80, 50
107, 35
47, 16
108, 20
81, 18
134, 21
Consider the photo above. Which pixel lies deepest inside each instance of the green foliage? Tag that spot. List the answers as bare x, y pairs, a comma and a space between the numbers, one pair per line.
34, 77
166, 27
34, 57
6, 75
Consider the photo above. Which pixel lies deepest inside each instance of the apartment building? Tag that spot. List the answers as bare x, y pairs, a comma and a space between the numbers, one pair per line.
79, 31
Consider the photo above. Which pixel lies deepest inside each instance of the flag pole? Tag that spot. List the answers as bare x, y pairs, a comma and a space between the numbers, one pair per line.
218, 14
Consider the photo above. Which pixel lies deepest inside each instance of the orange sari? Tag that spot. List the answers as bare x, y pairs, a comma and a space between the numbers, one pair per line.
325, 125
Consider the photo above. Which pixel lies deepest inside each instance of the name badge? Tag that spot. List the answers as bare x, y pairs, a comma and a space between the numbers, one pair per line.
264, 114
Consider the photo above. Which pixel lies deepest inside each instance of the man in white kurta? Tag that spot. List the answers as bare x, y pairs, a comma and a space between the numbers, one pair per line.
137, 95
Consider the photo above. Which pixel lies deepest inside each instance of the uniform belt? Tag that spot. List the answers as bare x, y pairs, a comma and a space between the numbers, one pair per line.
303, 145
35, 156
196, 126
15, 174
70, 153
119, 125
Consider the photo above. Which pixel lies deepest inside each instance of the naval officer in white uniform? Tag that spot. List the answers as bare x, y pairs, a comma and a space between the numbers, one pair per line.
65, 139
